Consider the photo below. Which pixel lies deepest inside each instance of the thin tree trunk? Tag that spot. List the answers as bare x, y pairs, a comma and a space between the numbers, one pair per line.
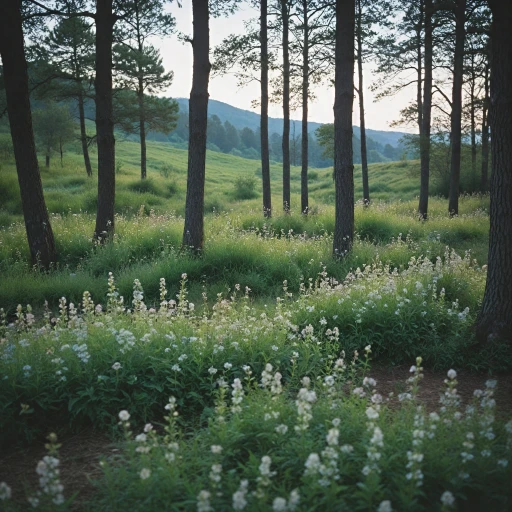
83, 135
364, 155
304, 196
419, 66
495, 318
140, 97
265, 159
456, 117
105, 139
485, 134
47, 157
473, 119
37, 223
198, 118
343, 103
427, 115
61, 150
142, 133
286, 107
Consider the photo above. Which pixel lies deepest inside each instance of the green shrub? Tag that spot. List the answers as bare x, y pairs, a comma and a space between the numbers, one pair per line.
245, 188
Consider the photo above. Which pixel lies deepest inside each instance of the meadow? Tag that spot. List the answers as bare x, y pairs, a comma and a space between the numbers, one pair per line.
245, 379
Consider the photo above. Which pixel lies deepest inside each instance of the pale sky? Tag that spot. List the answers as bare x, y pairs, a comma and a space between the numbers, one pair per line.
177, 56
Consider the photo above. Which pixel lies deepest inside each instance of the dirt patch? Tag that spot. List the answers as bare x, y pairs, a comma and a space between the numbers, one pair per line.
392, 380
79, 463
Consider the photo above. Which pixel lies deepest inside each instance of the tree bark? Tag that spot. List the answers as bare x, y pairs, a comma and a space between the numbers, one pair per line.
495, 318
105, 139
140, 97
343, 103
198, 118
47, 157
456, 114
364, 155
286, 107
265, 158
419, 66
142, 133
427, 115
473, 117
485, 134
304, 196
37, 223
83, 135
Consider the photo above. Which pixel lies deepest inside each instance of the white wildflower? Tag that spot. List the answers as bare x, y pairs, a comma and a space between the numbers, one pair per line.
124, 415
447, 499
145, 473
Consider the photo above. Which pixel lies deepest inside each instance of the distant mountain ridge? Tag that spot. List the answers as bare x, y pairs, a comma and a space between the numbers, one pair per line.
241, 118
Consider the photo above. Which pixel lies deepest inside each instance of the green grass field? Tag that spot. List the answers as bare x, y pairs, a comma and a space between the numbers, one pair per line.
67, 188
264, 344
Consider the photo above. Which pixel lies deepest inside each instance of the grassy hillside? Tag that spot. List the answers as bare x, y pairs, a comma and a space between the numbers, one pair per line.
67, 188
241, 246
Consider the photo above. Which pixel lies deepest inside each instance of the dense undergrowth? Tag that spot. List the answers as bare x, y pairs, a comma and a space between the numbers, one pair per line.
63, 370
239, 249
263, 344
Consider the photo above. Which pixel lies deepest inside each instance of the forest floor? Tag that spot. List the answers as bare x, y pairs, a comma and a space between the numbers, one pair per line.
81, 452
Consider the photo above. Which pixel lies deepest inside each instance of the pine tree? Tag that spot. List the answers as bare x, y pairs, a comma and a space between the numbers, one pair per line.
37, 222
138, 64
70, 49
53, 127
495, 318
343, 103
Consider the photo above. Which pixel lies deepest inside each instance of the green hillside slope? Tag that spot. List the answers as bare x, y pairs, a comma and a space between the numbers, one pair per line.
67, 188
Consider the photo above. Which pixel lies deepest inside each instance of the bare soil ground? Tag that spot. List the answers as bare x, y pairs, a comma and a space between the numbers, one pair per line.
81, 452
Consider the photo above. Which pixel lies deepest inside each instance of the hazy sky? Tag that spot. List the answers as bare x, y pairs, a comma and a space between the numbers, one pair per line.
177, 56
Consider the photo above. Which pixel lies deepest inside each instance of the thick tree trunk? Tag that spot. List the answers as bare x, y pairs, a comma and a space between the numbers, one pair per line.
485, 135
304, 196
456, 115
495, 318
37, 223
286, 107
427, 115
198, 118
364, 154
83, 135
142, 133
105, 140
343, 103
265, 159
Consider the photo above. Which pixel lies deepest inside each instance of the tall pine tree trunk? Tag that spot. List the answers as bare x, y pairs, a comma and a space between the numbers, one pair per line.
304, 196
485, 134
495, 318
142, 131
37, 223
472, 87
286, 107
198, 118
419, 65
105, 140
83, 135
456, 114
265, 158
343, 103
427, 115
364, 155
